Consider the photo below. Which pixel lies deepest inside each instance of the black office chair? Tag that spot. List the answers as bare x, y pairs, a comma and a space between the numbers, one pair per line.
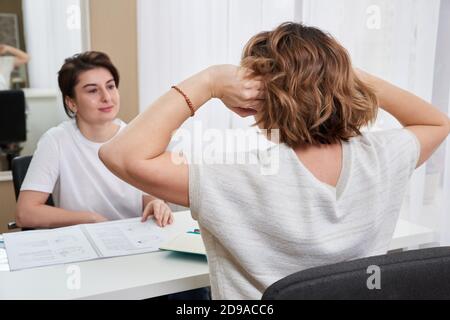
416, 274
19, 170
12, 123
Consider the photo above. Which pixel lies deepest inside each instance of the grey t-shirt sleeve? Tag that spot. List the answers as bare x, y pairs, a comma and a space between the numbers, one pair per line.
399, 149
211, 188
218, 187
194, 191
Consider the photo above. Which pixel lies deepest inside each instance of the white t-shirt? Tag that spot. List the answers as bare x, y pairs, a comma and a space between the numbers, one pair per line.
6, 67
260, 228
66, 164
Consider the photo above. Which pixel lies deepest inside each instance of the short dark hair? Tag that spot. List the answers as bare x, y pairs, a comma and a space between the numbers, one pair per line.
75, 65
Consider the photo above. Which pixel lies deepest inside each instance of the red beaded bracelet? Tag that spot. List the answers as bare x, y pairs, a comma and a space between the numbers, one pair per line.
188, 101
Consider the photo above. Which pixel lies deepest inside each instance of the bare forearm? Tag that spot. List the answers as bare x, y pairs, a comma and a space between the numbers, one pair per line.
43, 216
407, 108
20, 56
149, 134
138, 154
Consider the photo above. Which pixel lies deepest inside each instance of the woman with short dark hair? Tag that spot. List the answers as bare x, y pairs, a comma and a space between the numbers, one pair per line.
66, 164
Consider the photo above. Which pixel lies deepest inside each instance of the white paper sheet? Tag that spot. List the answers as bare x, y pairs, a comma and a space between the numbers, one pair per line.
125, 237
38, 248
47, 247
4, 266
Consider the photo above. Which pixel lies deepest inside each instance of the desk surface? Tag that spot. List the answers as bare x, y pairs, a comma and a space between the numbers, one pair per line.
145, 275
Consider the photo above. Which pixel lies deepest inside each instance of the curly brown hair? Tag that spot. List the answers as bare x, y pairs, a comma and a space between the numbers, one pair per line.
312, 93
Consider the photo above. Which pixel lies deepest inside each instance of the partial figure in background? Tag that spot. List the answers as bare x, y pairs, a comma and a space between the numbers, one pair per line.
10, 58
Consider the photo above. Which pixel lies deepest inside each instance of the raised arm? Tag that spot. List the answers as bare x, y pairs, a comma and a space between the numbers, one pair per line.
20, 56
137, 155
430, 125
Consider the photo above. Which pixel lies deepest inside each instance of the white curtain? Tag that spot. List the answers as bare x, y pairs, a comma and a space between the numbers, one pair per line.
441, 99
53, 33
445, 206
395, 40
178, 38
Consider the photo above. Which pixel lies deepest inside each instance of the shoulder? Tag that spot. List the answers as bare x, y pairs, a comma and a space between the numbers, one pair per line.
391, 138
61, 129
397, 145
223, 167
59, 133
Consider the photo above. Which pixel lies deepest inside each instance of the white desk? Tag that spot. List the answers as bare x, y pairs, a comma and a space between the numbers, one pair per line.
129, 277
410, 235
146, 275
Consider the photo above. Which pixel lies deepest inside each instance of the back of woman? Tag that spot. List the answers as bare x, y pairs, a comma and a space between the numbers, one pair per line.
274, 225
327, 192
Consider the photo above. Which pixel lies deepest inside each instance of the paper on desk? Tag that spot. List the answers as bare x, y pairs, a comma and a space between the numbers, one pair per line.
126, 237
4, 266
47, 247
83, 242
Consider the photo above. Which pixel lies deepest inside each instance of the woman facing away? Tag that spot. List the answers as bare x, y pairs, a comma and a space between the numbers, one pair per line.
66, 161
338, 191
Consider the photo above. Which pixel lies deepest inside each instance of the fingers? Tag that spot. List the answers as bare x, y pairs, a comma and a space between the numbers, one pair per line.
158, 214
162, 214
256, 103
254, 89
166, 216
148, 211
258, 84
261, 94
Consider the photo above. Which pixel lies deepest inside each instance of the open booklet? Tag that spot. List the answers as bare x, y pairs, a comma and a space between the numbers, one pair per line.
83, 242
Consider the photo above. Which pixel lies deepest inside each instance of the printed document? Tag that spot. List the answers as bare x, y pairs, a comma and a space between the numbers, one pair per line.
38, 248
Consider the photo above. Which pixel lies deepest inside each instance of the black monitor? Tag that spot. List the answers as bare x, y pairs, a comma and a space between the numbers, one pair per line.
12, 117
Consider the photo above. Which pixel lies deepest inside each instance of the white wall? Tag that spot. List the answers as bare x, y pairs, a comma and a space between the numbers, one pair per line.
52, 33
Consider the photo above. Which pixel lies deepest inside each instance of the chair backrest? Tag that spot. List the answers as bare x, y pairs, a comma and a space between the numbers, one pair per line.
415, 274
19, 170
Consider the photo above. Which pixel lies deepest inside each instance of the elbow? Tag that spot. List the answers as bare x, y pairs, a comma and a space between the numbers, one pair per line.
26, 59
104, 154
107, 155
21, 61
22, 217
115, 161
127, 166
19, 218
